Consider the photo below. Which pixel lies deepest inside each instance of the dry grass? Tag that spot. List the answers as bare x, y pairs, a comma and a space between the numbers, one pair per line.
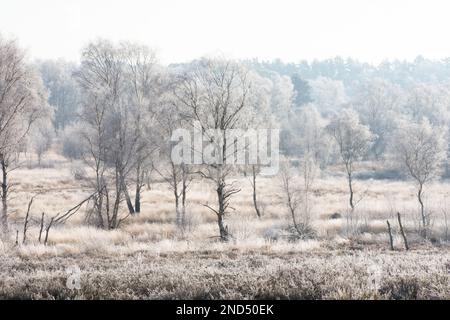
149, 257
230, 274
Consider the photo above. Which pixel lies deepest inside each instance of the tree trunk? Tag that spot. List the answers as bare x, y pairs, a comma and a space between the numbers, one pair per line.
127, 196
183, 195
402, 231
100, 194
113, 222
422, 208
391, 241
137, 200
255, 202
137, 197
41, 227
177, 206
4, 217
223, 230
350, 188
99, 210
47, 230
25, 223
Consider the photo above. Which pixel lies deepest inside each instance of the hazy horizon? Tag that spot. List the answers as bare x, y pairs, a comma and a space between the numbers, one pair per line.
180, 31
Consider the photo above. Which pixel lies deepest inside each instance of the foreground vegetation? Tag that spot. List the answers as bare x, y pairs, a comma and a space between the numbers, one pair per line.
233, 274
149, 257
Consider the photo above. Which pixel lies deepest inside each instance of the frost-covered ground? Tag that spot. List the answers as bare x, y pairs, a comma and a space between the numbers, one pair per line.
231, 274
150, 258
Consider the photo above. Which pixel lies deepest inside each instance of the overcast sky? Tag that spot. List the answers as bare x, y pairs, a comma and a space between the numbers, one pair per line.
180, 30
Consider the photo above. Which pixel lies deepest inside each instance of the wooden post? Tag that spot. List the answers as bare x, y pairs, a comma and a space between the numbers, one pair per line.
25, 224
402, 231
391, 241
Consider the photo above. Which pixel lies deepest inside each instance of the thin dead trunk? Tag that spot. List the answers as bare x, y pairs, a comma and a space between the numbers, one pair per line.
41, 226
25, 224
47, 230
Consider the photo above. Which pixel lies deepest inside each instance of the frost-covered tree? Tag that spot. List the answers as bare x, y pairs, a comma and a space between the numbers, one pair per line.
420, 149
217, 94
297, 187
302, 90
108, 131
121, 85
428, 101
282, 97
146, 84
42, 136
178, 176
64, 95
327, 94
378, 103
305, 134
72, 141
23, 100
353, 140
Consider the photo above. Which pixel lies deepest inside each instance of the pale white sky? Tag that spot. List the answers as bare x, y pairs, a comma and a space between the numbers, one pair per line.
369, 30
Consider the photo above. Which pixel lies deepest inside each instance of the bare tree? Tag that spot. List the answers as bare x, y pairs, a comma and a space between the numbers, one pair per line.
120, 88
298, 194
106, 132
177, 176
420, 149
22, 102
146, 85
62, 217
291, 196
215, 94
353, 140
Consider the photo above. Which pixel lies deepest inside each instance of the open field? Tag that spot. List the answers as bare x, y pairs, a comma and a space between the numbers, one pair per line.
149, 257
